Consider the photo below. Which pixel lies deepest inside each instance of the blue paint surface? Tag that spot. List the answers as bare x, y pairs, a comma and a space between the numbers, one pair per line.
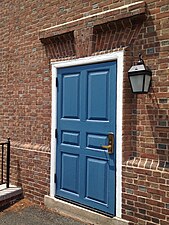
86, 114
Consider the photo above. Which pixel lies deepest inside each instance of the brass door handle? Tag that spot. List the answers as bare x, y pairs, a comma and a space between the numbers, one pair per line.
110, 147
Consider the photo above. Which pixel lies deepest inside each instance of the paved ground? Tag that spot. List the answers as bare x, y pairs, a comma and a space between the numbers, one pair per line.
26, 213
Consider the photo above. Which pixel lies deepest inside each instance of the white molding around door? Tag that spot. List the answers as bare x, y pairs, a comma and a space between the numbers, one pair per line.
118, 56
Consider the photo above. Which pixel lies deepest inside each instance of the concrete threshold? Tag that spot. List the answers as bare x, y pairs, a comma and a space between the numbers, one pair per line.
82, 214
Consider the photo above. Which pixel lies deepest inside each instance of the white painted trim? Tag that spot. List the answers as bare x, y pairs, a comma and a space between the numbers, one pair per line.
82, 61
53, 127
119, 119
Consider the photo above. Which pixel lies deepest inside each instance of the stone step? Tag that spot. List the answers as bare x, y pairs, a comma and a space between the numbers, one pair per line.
9, 196
79, 213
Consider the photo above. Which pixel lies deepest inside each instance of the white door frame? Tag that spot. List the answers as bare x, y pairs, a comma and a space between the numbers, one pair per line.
118, 56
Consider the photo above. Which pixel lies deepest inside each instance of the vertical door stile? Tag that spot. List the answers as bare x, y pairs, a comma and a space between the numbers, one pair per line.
82, 135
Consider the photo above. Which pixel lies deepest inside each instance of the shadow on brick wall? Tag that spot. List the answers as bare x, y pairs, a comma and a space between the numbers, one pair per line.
149, 122
157, 113
18, 177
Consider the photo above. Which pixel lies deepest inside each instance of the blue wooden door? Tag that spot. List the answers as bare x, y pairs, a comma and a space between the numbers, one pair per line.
86, 114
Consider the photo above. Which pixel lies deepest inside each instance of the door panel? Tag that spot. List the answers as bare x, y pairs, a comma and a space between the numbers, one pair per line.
86, 114
96, 111
96, 141
70, 96
70, 175
96, 173
70, 138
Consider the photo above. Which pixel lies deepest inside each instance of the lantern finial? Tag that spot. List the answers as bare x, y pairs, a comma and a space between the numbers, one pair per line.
140, 61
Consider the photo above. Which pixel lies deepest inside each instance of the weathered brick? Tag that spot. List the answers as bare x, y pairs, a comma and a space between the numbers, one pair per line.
25, 90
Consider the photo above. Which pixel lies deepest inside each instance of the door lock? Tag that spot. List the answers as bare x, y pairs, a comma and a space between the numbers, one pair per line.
110, 145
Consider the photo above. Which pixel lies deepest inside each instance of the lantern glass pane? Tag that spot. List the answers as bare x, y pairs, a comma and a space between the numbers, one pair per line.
137, 83
147, 83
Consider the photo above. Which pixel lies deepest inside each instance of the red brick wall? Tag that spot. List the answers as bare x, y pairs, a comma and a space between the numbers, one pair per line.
145, 192
25, 91
31, 170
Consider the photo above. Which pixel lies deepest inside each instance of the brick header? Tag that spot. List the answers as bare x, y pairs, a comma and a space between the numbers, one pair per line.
104, 31
30, 147
146, 163
126, 11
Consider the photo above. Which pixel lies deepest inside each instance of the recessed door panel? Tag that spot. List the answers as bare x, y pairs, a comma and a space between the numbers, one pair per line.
70, 138
95, 141
70, 96
86, 114
97, 95
96, 180
70, 173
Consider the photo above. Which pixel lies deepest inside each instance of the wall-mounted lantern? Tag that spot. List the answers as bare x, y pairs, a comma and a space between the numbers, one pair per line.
140, 77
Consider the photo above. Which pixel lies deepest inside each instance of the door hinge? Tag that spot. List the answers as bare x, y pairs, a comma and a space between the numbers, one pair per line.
55, 178
56, 82
56, 133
